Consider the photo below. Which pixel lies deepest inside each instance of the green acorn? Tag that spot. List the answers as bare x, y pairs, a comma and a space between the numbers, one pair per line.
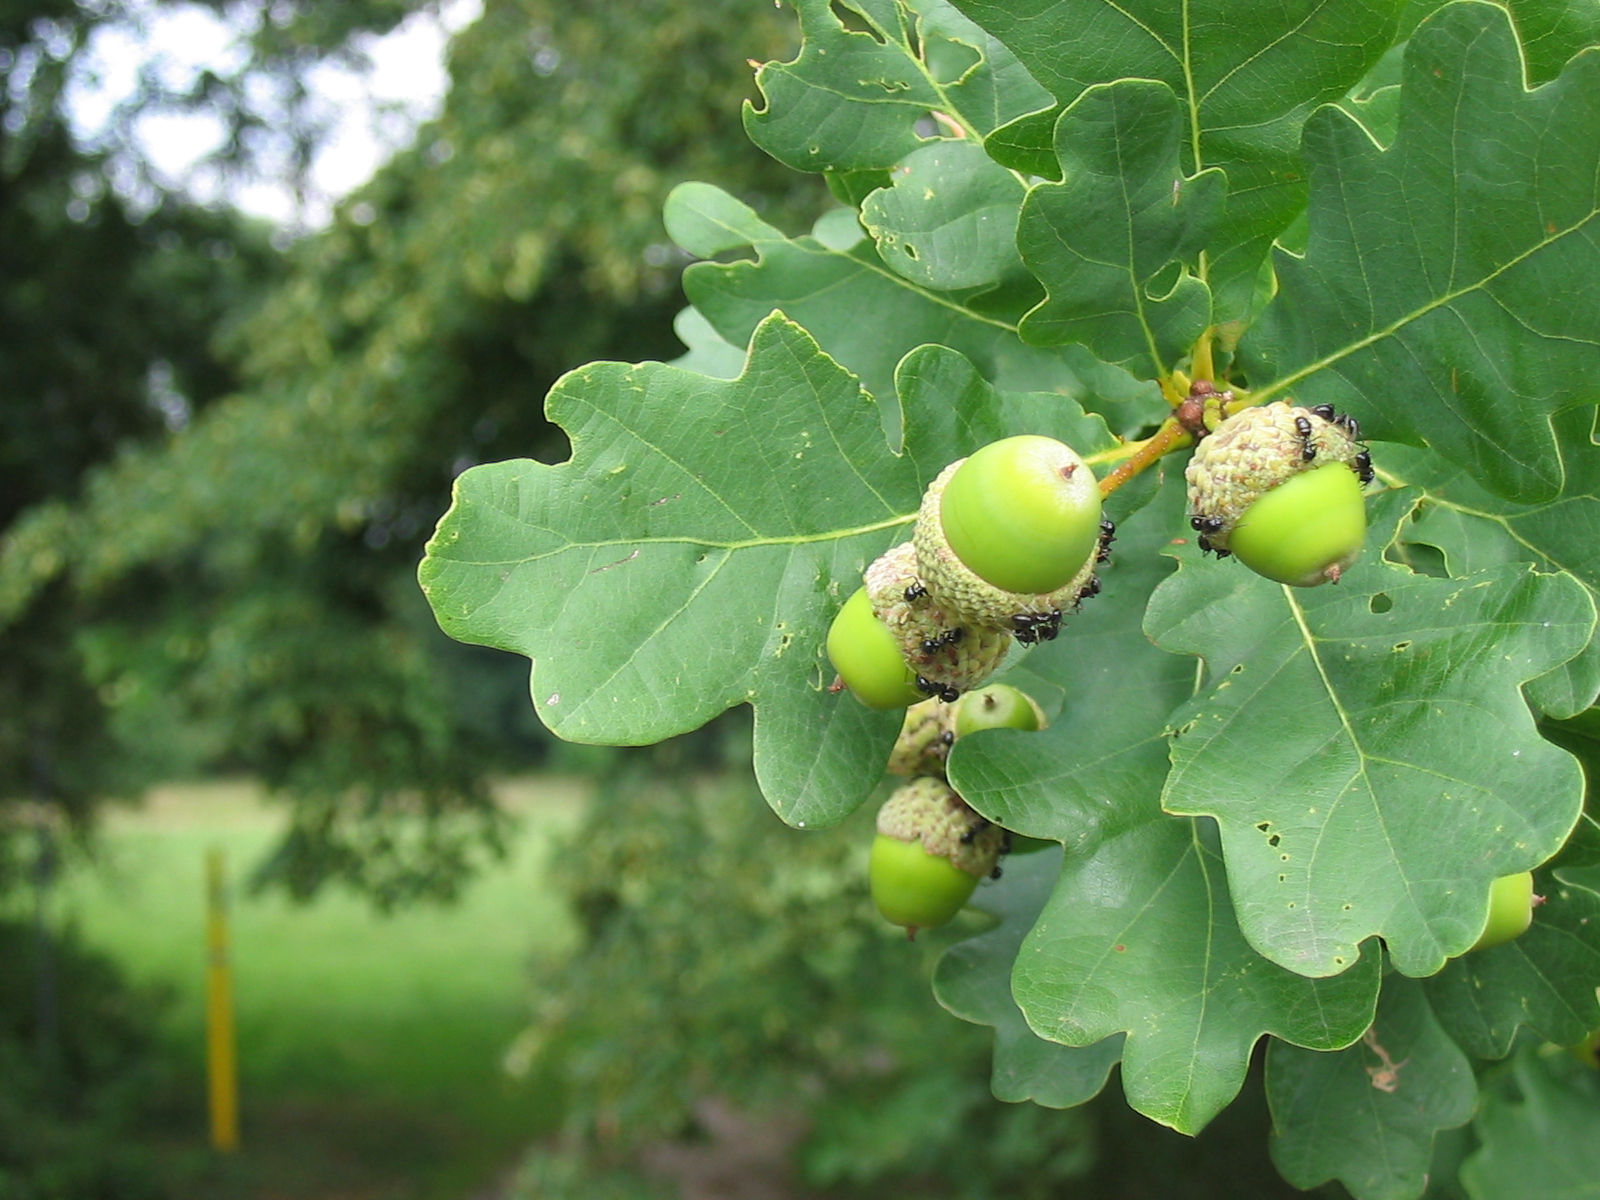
954, 586
1511, 904
1280, 487
930, 853
946, 654
867, 656
923, 746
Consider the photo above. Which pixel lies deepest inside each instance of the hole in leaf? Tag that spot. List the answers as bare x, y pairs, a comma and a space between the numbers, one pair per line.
1380, 602
1283, 879
854, 21
926, 127
1347, 908
1237, 670
948, 61
1401, 647
1264, 826
911, 252
1275, 839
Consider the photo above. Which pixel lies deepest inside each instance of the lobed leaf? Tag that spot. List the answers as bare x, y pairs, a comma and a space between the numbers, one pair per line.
973, 981
1367, 1115
1449, 293
1247, 75
868, 317
692, 553
1139, 936
854, 98
1365, 747
1124, 215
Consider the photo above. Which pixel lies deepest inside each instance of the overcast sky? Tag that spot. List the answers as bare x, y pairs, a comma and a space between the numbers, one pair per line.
373, 113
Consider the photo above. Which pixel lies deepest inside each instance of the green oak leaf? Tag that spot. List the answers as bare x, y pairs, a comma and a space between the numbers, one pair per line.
1367, 1115
1247, 74
691, 554
1343, 729
1139, 937
1538, 1130
1124, 215
949, 221
1474, 529
868, 318
1449, 293
1551, 31
853, 98
708, 353
973, 981
1545, 979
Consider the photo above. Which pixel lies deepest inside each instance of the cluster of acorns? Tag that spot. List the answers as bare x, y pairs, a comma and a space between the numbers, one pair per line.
1006, 542
932, 849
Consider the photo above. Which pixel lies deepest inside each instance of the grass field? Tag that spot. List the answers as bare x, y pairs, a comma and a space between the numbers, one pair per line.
369, 1046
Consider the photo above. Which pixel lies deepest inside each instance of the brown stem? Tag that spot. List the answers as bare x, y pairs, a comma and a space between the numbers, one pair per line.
1171, 436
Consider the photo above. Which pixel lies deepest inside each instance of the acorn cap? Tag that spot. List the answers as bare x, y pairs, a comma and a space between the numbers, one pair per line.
923, 746
937, 644
956, 588
929, 811
1253, 452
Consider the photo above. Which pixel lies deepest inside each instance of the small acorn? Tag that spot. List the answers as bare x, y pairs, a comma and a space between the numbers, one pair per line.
930, 853
923, 746
867, 656
1511, 904
1030, 617
998, 706
1280, 486
946, 654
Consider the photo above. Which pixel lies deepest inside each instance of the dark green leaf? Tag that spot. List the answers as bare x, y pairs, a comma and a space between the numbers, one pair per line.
1539, 1132
1367, 1115
974, 982
1345, 728
1124, 215
1247, 74
1450, 289
1545, 979
853, 98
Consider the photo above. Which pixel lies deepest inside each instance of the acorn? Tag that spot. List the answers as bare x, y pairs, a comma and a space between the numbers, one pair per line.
1280, 487
930, 852
867, 656
946, 653
998, 706
1029, 616
1511, 905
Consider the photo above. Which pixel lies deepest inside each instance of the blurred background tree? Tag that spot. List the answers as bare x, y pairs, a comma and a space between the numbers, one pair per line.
237, 593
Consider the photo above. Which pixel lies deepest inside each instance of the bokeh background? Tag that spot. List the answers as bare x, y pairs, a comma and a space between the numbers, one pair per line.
270, 278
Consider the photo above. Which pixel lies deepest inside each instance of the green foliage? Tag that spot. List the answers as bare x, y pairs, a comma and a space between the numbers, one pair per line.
729, 960
1280, 808
78, 1071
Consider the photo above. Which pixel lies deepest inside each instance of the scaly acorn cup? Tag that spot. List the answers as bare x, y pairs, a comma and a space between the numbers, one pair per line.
923, 746
930, 853
867, 656
955, 587
1280, 487
946, 654
1510, 910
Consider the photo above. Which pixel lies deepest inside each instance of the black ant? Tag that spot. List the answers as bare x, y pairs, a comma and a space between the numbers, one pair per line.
974, 830
1325, 411
1037, 627
1108, 534
942, 690
1308, 448
1350, 425
1092, 588
1207, 548
1206, 525
948, 638
1363, 465
915, 592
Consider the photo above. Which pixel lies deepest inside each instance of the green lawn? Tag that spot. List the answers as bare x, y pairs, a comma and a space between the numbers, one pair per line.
370, 1046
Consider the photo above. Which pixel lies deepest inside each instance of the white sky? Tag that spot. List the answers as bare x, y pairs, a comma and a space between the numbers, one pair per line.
372, 113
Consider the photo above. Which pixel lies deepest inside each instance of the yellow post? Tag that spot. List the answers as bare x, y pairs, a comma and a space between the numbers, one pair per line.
222, 1064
